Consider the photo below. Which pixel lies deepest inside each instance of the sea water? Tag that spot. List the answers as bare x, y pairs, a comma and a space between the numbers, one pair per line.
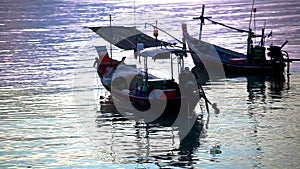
53, 110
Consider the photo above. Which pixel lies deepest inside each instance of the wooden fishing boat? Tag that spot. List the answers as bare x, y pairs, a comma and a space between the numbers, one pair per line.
136, 91
234, 64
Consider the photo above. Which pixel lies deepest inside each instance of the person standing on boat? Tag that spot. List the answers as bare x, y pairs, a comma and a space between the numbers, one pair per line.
97, 62
102, 52
102, 55
188, 86
186, 76
187, 82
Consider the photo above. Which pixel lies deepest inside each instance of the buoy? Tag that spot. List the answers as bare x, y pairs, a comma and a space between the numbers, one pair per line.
215, 150
155, 32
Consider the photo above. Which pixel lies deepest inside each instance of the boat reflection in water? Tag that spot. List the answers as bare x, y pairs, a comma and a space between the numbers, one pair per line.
181, 155
257, 86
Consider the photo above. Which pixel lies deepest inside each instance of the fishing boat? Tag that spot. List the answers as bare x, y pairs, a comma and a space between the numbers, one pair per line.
138, 91
208, 55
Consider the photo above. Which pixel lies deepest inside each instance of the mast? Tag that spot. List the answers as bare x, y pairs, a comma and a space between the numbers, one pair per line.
254, 22
250, 34
262, 41
201, 21
251, 15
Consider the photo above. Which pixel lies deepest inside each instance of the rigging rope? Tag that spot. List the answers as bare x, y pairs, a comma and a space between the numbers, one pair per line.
230, 27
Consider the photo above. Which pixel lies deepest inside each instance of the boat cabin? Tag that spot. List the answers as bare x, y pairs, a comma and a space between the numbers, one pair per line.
146, 84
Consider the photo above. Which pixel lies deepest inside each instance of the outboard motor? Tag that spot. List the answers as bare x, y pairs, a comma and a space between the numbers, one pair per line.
275, 52
277, 56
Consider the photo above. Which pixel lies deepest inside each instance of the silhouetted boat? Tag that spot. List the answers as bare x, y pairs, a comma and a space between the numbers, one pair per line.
254, 62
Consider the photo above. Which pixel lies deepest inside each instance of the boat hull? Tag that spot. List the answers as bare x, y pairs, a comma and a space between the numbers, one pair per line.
126, 102
232, 69
211, 57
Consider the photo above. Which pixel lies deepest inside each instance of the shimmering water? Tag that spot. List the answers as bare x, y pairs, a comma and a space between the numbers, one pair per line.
50, 114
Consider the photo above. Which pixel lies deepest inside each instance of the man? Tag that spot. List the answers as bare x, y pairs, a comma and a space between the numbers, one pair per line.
97, 62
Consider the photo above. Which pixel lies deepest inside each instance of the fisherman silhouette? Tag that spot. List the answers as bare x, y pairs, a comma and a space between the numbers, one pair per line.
186, 75
188, 86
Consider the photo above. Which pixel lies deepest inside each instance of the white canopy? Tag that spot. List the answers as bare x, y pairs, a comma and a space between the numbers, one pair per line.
157, 53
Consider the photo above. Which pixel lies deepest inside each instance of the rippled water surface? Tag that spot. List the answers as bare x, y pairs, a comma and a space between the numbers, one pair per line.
52, 105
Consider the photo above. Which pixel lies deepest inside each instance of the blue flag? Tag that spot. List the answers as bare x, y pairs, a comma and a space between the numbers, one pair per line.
270, 34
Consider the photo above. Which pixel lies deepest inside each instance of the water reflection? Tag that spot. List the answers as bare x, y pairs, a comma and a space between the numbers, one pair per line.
256, 87
148, 134
262, 92
256, 84
184, 156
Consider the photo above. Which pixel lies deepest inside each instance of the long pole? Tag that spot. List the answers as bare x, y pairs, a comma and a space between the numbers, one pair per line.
201, 20
145, 88
250, 32
263, 35
251, 15
172, 67
110, 35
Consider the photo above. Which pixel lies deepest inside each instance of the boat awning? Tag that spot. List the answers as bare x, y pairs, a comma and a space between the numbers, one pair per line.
156, 53
127, 37
162, 53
